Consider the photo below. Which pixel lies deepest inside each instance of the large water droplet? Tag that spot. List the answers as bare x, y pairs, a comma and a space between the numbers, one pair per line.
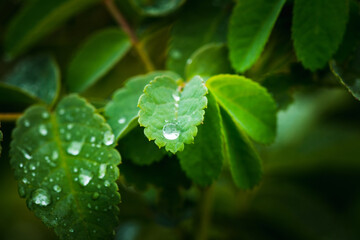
41, 197
171, 131
108, 138
85, 177
102, 170
57, 188
122, 120
74, 148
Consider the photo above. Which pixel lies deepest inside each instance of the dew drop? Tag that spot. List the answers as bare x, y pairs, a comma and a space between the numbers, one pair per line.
70, 126
171, 131
108, 138
107, 183
85, 177
92, 139
57, 188
176, 54
74, 148
102, 170
26, 123
42, 130
55, 155
41, 197
75, 170
89, 205
71, 230
176, 97
122, 120
95, 195
61, 111
189, 61
45, 115
21, 165
25, 180
32, 167
26, 155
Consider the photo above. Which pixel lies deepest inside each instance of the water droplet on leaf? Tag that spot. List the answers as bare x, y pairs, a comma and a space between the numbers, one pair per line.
74, 148
41, 197
57, 188
122, 120
107, 183
85, 177
171, 131
108, 138
26, 123
45, 115
102, 170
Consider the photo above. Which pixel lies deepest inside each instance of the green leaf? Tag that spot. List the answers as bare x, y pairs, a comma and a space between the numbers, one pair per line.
250, 27
351, 37
207, 61
199, 23
96, 57
349, 73
129, 147
202, 161
37, 19
14, 99
248, 103
245, 164
66, 165
39, 76
170, 116
122, 111
316, 38
156, 7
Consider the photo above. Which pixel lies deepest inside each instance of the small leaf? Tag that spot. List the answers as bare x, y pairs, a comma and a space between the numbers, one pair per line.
202, 161
129, 147
349, 73
66, 165
122, 111
14, 99
37, 19
199, 23
39, 76
248, 103
316, 38
207, 61
156, 7
170, 116
245, 164
250, 27
96, 57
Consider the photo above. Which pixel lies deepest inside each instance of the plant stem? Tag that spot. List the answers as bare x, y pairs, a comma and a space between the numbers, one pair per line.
9, 117
205, 214
123, 24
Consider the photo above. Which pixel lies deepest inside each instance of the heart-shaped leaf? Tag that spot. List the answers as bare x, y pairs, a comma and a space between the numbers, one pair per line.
122, 111
66, 165
169, 115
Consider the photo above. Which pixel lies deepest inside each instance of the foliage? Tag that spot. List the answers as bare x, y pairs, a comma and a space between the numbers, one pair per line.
202, 99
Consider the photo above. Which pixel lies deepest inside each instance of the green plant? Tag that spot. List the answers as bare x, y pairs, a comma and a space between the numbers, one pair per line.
192, 90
